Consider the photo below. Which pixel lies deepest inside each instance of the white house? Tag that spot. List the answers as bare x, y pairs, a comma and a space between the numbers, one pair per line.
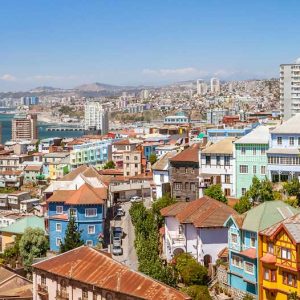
197, 228
161, 174
217, 166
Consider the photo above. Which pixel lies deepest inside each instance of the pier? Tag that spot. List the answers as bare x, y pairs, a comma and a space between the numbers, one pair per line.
64, 129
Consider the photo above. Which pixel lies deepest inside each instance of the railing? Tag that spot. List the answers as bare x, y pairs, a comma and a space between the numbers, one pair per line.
42, 288
177, 239
62, 295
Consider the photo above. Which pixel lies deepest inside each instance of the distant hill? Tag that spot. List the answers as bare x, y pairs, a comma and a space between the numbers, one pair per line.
100, 87
43, 89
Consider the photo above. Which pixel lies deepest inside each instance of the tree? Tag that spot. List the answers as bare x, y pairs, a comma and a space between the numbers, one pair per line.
254, 190
292, 187
33, 243
243, 205
248, 297
190, 270
197, 292
266, 191
215, 191
72, 238
109, 165
159, 204
292, 296
152, 158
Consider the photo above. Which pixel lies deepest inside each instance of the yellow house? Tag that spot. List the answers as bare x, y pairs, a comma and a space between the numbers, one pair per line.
279, 253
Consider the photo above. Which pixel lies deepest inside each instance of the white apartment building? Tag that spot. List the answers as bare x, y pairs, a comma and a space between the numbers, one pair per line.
215, 85
201, 87
290, 89
95, 117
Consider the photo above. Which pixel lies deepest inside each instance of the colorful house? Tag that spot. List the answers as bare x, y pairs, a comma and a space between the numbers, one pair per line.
279, 260
243, 243
250, 158
87, 205
56, 164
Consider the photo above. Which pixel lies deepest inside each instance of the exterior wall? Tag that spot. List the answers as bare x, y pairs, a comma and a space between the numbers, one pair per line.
132, 163
7, 238
82, 221
209, 173
157, 178
255, 158
184, 180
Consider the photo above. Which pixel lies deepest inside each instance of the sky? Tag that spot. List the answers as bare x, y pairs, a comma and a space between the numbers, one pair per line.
65, 43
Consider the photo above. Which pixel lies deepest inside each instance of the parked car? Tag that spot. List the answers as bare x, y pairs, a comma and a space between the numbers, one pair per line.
120, 212
135, 199
117, 241
117, 232
117, 250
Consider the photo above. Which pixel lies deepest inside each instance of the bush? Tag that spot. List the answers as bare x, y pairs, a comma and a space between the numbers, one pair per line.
292, 187
243, 205
215, 191
197, 292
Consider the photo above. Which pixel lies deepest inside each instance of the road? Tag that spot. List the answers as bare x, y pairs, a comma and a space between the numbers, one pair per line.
129, 257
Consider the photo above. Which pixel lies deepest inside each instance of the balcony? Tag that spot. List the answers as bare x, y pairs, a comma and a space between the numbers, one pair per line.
176, 240
42, 291
62, 295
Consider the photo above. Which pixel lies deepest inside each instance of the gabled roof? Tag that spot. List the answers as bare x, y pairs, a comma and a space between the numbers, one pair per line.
204, 212
72, 175
21, 224
224, 146
259, 135
162, 163
86, 194
188, 155
87, 265
267, 214
290, 225
289, 126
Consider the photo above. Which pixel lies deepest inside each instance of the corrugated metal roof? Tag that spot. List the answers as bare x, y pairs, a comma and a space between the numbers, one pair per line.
289, 126
96, 268
224, 146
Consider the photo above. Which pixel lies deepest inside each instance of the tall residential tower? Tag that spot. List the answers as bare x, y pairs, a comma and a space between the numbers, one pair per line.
290, 89
95, 118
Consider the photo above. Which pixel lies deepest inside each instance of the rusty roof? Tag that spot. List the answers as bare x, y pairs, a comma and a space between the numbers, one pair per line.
86, 194
223, 253
250, 252
33, 168
72, 175
268, 258
89, 266
204, 212
190, 154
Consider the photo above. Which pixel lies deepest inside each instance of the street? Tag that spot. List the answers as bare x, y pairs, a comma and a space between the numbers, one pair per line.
129, 257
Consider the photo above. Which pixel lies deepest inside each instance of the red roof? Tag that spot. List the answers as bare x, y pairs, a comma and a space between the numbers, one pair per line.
223, 253
268, 258
251, 253
86, 194
92, 267
59, 217
204, 212
190, 154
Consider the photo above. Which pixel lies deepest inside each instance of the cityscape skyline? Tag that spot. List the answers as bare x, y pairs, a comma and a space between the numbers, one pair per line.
132, 43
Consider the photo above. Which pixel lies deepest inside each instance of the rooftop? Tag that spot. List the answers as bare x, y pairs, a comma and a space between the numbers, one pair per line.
87, 265
188, 155
260, 135
224, 146
162, 163
289, 126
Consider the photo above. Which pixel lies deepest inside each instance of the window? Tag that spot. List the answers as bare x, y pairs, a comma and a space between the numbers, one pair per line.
267, 274
254, 151
91, 229
263, 170
279, 140
254, 169
227, 178
162, 178
135, 165
218, 159
289, 279
85, 294
43, 279
237, 261
177, 186
243, 150
73, 212
234, 238
244, 190
249, 268
270, 248
186, 186
58, 242
59, 210
180, 229
263, 151
285, 253
207, 160
58, 227
227, 192
135, 158
89, 243
90, 212
270, 275
243, 169
298, 141
226, 160
193, 187
252, 240
292, 141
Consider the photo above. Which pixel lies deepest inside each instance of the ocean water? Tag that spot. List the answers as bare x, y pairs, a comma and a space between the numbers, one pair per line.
5, 120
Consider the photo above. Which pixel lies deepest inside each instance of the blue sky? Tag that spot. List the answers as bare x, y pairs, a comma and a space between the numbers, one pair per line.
64, 43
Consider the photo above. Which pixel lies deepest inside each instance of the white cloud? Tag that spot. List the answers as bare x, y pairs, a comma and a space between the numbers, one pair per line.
8, 77
49, 77
174, 72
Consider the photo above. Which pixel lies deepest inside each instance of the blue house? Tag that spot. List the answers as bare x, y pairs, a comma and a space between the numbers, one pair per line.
243, 242
87, 205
